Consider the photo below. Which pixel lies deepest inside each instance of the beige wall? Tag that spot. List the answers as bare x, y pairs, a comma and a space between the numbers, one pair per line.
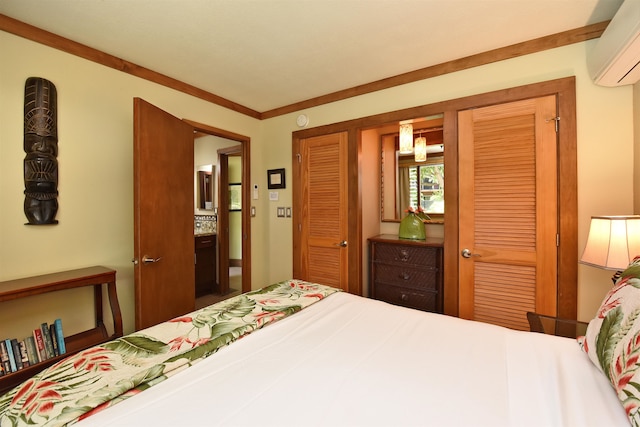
95, 160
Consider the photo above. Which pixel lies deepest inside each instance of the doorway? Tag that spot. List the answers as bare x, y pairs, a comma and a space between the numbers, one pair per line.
238, 271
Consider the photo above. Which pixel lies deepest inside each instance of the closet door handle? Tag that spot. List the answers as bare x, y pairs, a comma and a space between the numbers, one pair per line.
466, 253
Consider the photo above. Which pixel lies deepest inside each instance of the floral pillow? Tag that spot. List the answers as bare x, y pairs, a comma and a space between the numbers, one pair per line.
612, 340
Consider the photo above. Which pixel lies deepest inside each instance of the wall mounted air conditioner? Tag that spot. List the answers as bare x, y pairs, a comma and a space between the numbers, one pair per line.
615, 59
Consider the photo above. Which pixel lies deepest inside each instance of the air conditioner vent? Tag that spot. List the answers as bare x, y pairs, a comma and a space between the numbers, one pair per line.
615, 57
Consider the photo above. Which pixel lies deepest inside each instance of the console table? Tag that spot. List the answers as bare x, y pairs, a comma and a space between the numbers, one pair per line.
91, 276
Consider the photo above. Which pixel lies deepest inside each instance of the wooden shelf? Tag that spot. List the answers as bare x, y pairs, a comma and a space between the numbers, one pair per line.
91, 276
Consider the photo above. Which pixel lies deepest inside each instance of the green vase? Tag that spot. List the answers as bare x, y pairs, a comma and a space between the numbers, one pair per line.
412, 227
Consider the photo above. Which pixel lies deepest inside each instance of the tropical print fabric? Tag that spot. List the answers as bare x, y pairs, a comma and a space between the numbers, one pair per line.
104, 375
612, 340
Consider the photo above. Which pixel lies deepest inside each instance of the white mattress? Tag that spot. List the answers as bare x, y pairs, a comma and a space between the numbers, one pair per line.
351, 361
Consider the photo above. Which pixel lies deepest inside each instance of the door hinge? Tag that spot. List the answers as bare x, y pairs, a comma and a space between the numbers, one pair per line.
299, 157
557, 240
556, 120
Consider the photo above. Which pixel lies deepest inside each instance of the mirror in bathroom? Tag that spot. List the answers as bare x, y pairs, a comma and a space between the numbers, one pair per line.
206, 189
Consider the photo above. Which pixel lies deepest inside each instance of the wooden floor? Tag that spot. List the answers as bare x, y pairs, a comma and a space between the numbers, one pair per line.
235, 286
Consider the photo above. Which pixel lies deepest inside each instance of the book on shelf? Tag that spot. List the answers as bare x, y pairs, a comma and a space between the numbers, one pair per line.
46, 336
32, 351
54, 339
39, 340
16, 354
4, 357
12, 358
62, 348
24, 357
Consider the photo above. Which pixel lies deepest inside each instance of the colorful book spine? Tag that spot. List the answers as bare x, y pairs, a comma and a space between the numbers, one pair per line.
54, 338
12, 358
37, 336
61, 345
16, 353
46, 336
24, 357
4, 357
32, 351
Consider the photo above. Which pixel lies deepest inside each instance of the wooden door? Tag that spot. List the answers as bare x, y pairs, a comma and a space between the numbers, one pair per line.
320, 225
508, 211
163, 210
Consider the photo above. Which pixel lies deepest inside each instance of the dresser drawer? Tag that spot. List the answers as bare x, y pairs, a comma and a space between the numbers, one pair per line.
406, 277
427, 301
400, 254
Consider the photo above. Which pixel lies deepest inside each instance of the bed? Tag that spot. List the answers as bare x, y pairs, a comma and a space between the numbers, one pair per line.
304, 354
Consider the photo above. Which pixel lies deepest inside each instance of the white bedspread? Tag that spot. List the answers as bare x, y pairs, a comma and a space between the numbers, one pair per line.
351, 361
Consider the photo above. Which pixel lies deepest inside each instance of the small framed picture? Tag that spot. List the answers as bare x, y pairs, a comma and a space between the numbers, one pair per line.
275, 178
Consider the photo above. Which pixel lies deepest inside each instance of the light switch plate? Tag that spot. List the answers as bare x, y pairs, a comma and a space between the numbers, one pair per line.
273, 195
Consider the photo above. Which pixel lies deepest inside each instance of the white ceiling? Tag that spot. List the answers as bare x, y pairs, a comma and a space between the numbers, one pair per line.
265, 54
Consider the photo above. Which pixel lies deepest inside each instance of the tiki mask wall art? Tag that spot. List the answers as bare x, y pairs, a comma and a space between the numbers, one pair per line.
41, 146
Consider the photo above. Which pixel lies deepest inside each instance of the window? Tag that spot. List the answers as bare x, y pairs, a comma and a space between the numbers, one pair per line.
427, 186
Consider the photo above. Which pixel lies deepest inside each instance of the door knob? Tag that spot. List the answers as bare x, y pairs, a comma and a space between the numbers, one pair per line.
466, 253
342, 244
149, 260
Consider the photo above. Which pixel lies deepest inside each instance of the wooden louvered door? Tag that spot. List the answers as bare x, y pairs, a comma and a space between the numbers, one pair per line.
322, 224
508, 211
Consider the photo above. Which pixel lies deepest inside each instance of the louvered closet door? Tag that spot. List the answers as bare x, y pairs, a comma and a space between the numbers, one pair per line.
324, 256
508, 211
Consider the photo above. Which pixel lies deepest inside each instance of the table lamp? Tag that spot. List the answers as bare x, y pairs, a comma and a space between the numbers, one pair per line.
612, 243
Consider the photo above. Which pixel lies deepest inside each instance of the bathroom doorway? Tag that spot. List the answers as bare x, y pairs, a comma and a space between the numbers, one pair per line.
230, 173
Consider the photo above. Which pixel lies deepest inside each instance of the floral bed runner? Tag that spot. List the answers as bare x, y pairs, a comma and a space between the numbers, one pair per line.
101, 376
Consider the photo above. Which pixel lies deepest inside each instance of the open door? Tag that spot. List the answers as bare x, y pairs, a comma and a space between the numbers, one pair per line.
163, 210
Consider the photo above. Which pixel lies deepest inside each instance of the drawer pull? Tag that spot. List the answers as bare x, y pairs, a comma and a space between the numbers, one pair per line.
404, 255
404, 275
404, 297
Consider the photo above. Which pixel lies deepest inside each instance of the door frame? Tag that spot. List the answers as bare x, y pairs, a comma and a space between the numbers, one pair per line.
564, 89
245, 151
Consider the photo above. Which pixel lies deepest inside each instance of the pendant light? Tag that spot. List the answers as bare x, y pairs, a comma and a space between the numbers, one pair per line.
406, 138
420, 149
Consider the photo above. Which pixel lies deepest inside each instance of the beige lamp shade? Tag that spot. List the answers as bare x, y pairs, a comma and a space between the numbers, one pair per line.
420, 149
406, 138
613, 242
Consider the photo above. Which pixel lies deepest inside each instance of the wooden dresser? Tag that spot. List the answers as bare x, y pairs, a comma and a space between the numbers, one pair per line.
407, 272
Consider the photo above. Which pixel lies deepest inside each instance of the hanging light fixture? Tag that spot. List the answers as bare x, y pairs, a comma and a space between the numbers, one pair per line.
406, 138
420, 149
